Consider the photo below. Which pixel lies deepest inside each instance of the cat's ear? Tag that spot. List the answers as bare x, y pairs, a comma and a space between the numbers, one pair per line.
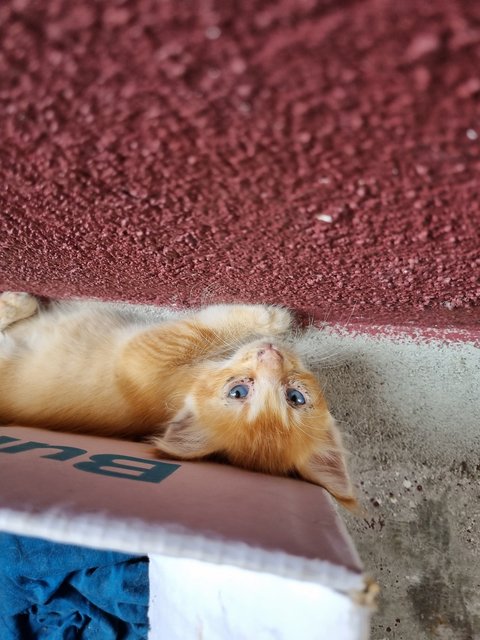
183, 438
327, 467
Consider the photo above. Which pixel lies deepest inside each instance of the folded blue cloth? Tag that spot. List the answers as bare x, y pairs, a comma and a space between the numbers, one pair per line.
51, 591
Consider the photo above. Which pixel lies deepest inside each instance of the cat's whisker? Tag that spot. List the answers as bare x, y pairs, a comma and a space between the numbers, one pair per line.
345, 325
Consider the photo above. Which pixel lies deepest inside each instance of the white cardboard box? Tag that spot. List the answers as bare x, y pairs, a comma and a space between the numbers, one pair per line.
234, 555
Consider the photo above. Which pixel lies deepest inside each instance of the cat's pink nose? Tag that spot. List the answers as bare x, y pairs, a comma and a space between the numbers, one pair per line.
269, 354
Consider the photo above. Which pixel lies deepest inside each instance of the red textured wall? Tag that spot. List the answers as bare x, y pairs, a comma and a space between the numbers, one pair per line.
325, 155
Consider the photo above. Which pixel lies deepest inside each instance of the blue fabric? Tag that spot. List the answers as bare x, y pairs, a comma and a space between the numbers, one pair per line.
51, 591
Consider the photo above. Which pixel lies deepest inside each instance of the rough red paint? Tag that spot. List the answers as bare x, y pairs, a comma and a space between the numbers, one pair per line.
323, 155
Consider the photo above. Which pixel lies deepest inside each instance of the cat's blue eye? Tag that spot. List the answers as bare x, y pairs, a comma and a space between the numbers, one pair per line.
295, 397
239, 391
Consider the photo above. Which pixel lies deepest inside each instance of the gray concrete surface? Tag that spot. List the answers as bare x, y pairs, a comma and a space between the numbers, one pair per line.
410, 412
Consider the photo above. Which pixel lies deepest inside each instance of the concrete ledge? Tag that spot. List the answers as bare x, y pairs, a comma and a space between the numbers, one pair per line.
410, 411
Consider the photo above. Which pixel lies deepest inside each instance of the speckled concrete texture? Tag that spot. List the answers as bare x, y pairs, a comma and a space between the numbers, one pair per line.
410, 412
320, 154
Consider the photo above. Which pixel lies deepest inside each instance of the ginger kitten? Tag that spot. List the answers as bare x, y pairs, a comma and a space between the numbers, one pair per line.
215, 381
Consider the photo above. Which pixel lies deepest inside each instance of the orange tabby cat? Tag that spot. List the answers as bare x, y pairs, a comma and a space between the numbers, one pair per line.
215, 381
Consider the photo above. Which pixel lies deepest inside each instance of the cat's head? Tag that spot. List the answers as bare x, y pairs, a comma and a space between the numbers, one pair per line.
263, 410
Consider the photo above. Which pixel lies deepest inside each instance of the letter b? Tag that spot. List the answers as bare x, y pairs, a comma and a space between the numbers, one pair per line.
110, 464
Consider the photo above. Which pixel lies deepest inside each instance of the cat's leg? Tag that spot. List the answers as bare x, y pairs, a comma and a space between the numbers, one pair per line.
16, 306
209, 331
246, 319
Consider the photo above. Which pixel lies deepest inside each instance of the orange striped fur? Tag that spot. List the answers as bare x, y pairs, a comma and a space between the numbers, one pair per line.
100, 369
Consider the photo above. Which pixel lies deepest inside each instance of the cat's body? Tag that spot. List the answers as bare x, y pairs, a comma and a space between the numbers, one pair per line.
215, 381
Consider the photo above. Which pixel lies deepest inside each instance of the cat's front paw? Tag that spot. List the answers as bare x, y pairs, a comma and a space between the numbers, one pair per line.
245, 319
273, 321
16, 306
